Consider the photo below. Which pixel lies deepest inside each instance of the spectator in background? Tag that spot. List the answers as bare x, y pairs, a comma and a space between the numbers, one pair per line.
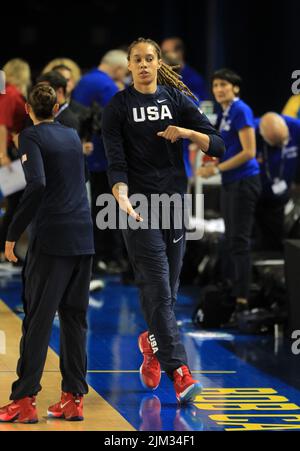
278, 145
292, 107
64, 115
89, 118
12, 121
72, 73
176, 65
174, 48
240, 181
100, 85
66, 72
74, 68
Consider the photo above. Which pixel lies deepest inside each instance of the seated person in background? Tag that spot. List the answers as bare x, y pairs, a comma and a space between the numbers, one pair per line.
278, 144
292, 107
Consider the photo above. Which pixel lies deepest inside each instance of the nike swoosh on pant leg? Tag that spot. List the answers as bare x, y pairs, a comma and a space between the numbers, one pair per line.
176, 241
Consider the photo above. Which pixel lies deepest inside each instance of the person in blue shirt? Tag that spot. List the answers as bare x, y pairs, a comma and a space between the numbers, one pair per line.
100, 85
278, 145
173, 47
143, 128
240, 180
175, 61
57, 269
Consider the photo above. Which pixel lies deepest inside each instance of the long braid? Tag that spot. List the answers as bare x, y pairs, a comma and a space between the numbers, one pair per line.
166, 75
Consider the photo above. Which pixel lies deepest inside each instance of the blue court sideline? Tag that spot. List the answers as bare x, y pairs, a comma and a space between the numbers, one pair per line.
251, 382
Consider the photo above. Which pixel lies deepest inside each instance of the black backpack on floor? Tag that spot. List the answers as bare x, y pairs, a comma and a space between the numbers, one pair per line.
215, 307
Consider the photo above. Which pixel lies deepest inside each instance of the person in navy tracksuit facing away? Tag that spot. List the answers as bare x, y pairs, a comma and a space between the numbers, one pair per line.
57, 269
143, 127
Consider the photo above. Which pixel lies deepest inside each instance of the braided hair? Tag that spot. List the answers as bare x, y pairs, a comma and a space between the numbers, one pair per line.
166, 74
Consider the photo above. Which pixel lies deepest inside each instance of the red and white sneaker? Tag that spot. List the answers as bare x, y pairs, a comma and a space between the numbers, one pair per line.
21, 411
150, 372
186, 387
70, 408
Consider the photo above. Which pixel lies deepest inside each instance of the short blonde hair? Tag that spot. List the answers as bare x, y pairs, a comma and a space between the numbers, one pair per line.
17, 72
115, 58
74, 68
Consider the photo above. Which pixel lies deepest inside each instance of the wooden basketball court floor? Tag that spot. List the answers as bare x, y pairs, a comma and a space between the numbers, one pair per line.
99, 415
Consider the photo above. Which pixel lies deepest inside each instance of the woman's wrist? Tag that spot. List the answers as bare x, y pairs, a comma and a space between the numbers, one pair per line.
200, 139
217, 170
188, 134
220, 167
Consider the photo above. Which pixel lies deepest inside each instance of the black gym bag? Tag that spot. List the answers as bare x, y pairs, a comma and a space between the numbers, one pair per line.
215, 307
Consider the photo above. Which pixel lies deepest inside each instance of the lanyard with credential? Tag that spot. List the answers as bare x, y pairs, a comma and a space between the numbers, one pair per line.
61, 110
224, 118
225, 114
267, 165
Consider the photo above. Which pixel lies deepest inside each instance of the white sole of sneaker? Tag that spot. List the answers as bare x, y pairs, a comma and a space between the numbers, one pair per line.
189, 394
53, 415
96, 285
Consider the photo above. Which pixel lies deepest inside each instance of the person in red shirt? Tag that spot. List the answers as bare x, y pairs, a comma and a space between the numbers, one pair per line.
12, 121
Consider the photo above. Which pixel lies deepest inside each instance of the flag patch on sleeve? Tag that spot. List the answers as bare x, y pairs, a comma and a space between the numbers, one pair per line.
24, 158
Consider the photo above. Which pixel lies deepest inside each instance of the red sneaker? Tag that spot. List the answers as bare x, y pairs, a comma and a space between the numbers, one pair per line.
150, 372
186, 387
70, 408
22, 410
